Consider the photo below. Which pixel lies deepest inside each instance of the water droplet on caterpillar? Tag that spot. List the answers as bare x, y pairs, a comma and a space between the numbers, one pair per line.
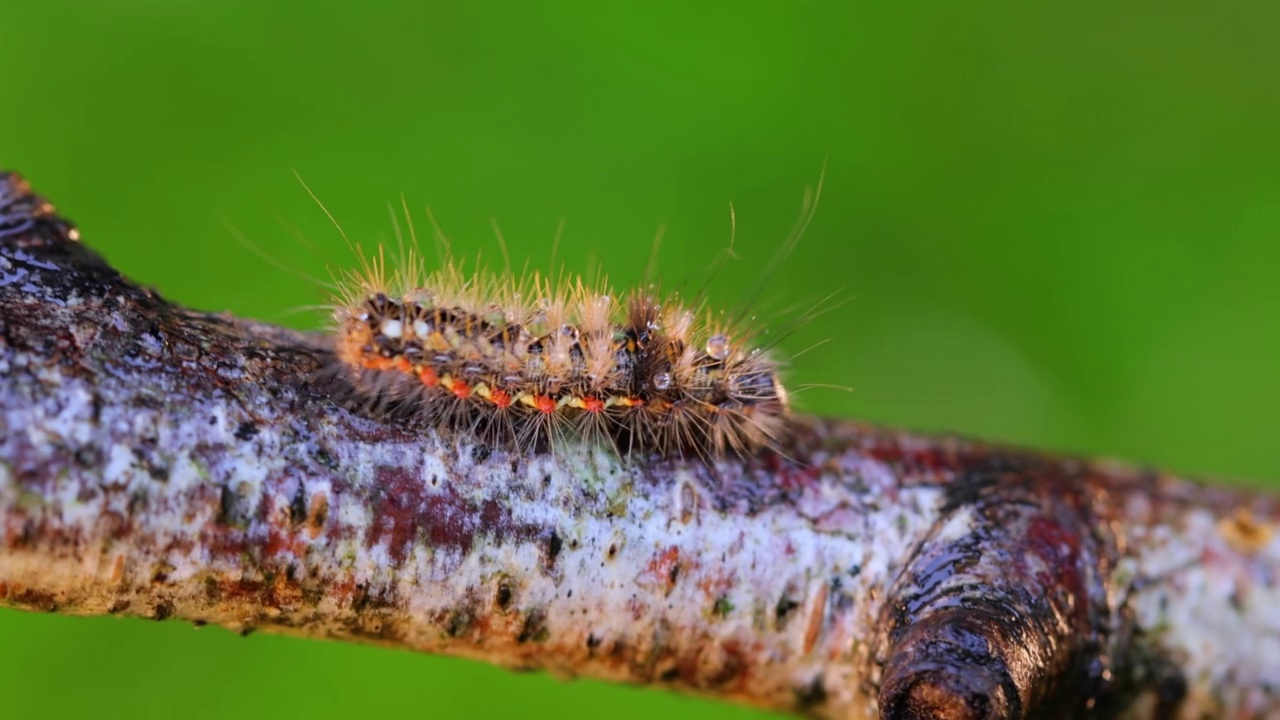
718, 346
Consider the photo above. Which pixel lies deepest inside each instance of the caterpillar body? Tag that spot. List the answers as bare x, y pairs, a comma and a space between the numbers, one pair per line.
524, 362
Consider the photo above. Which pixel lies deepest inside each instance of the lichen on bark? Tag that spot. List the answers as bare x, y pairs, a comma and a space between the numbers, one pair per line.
165, 463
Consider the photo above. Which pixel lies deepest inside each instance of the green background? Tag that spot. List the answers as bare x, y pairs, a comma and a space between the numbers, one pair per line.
1053, 223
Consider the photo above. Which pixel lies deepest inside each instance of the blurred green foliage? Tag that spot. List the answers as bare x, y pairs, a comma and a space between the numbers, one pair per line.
1055, 223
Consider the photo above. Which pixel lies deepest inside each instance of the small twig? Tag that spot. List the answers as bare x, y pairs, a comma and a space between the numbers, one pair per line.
164, 463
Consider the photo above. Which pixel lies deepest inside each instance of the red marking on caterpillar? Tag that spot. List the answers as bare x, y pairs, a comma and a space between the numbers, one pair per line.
524, 361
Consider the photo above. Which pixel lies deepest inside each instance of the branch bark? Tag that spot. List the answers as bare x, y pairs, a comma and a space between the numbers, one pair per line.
164, 463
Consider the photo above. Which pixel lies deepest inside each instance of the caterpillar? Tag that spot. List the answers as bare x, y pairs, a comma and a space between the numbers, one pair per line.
525, 361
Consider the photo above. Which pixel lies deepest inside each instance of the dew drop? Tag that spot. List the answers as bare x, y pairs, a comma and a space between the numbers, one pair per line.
421, 296
718, 347
662, 381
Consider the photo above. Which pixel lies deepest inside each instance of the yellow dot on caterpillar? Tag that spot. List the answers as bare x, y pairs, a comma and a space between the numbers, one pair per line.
391, 328
718, 346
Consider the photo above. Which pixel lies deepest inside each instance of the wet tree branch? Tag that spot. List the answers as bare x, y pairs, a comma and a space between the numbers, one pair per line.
164, 463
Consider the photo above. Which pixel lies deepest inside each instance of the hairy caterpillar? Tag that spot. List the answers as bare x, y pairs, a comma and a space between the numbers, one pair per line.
527, 360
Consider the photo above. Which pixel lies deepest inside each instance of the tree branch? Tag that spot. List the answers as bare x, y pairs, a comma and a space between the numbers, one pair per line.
164, 463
